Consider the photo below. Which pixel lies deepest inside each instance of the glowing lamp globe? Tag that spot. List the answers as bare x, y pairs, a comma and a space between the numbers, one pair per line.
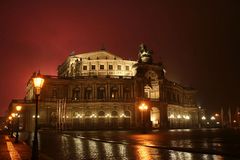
18, 108
38, 82
13, 115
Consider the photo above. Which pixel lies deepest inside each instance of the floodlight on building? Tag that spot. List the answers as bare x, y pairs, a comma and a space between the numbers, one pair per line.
213, 118
122, 115
203, 118
187, 117
107, 115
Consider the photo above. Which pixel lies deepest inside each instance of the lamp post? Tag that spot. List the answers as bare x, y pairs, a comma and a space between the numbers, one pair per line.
143, 107
38, 83
13, 116
18, 108
199, 110
10, 125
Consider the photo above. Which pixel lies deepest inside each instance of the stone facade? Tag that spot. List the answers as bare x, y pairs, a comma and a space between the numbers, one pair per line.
102, 91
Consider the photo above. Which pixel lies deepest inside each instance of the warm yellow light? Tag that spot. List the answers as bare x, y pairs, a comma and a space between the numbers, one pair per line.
203, 118
234, 121
18, 108
171, 116
10, 117
122, 115
38, 82
13, 115
179, 116
107, 115
216, 114
213, 118
187, 117
143, 106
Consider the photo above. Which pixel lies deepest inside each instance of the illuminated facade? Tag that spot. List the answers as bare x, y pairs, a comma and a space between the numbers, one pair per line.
103, 91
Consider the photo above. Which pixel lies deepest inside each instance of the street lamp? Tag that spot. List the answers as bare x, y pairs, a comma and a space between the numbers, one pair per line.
18, 108
143, 107
38, 82
11, 123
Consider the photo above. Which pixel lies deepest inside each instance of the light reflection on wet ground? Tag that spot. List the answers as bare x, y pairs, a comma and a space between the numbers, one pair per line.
175, 145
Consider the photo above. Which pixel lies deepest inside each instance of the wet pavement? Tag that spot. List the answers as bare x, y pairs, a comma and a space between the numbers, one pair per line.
207, 144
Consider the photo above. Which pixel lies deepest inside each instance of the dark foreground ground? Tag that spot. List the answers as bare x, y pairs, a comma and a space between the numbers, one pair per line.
206, 144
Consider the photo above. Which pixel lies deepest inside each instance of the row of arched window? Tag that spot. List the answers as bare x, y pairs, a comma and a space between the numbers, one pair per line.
101, 93
113, 114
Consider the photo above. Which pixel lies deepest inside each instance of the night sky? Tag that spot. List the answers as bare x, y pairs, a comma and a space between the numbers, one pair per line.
198, 42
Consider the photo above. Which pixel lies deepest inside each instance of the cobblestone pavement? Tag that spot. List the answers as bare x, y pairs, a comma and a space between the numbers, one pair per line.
12, 151
171, 144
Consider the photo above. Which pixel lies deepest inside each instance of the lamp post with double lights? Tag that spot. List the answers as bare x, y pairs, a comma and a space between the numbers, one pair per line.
38, 82
18, 108
143, 107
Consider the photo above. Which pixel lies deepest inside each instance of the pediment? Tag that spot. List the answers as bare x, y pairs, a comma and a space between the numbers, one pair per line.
98, 55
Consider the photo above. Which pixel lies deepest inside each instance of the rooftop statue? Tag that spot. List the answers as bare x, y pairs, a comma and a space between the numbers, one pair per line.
145, 55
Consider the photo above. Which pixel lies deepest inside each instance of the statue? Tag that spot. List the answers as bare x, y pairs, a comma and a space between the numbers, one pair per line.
145, 55
77, 68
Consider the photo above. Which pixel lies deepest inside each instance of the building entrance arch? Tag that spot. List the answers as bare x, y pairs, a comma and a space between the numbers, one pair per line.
155, 117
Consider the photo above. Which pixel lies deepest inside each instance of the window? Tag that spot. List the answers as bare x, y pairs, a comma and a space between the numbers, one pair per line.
126, 93
76, 94
88, 93
54, 93
101, 66
127, 68
101, 113
93, 67
84, 67
100, 93
119, 67
114, 93
110, 67
114, 113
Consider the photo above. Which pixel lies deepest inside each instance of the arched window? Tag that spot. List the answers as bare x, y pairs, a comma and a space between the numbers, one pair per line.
127, 113
88, 93
101, 92
114, 114
114, 92
88, 114
101, 113
76, 93
126, 93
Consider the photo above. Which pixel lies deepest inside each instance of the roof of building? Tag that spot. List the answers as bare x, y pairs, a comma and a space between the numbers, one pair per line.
102, 54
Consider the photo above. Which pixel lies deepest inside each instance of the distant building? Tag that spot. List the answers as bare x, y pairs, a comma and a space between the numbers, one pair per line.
99, 90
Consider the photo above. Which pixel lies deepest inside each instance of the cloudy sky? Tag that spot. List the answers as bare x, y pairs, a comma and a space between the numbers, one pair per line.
196, 41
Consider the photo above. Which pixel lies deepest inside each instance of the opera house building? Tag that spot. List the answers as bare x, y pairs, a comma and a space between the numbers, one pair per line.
100, 90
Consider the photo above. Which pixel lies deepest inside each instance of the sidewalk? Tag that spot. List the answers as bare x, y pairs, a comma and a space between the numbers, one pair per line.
12, 151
